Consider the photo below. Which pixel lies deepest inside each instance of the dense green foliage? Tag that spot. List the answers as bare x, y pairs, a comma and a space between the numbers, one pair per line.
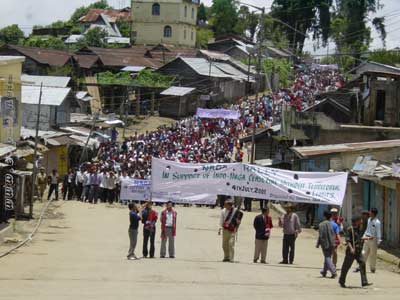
94, 38
44, 42
384, 56
304, 16
11, 35
224, 17
203, 36
145, 78
124, 27
280, 66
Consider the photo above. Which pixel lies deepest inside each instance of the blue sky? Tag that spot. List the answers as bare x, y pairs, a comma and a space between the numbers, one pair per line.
31, 12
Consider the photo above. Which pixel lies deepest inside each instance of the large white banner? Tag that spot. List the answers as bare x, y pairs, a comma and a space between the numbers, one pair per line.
135, 190
217, 113
201, 183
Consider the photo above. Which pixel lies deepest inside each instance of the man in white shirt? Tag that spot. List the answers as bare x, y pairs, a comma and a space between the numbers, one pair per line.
168, 231
372, 238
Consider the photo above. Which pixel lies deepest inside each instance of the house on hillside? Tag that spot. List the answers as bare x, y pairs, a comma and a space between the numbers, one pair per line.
220, 80
56, 103
105, 19
39, 61
165, 21
92, 60
242, 49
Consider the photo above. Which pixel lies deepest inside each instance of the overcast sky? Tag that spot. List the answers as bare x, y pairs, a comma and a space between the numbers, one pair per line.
27, 13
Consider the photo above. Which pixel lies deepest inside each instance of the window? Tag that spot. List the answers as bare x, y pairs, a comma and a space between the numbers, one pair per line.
167, 31
192, 12
191, 36
155, 9
184, 34
185, 11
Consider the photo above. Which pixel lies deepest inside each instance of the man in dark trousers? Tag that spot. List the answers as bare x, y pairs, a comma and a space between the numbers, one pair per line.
290, 223
354, 242
149, 220
247, 204
263, 225
327, 241
134, 219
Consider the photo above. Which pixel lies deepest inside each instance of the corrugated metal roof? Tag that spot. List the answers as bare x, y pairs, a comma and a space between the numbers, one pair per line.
5, 59
202, 67
121, 57
86, 61
117, 40
215, 55
45, 56
304, 152
230, 70
50, 96
73, 38
133, 68
52, 81
177, 91
114, 14
27, 133
6, 149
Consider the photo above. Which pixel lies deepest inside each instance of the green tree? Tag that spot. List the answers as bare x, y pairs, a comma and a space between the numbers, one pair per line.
44, 42
247, 22
224, 17
83, 10
11, 34
124, 27
93, 38
202, 14
304, 16
349, 27
203, 36
383, 56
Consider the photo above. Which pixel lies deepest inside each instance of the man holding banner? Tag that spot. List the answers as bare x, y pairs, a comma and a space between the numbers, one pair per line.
229, 224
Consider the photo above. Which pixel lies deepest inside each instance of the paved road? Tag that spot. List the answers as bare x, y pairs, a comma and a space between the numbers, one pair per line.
81, 255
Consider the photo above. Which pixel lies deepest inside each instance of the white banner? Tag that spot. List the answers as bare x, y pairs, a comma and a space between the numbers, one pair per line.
218, 113
201, 183
135, 190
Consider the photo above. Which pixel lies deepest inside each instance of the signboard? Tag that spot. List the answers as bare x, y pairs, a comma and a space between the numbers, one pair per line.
135, 190
201, 183
218, 113
8, 190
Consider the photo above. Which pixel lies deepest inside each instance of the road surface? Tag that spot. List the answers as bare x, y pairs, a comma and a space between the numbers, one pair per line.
80, 253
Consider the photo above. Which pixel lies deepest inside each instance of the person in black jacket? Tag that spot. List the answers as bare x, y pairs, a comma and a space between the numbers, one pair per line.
263, 225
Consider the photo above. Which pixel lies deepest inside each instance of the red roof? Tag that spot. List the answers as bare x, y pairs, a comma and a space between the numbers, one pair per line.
114, 15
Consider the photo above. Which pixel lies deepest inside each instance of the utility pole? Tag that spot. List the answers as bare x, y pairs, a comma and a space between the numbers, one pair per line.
259, 54
248, 77
35, 156
83, 156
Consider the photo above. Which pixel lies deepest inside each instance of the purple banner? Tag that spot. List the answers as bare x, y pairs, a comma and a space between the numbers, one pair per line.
218, 113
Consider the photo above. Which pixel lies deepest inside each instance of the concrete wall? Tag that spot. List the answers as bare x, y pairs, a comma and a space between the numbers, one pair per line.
11, 122
150, 29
